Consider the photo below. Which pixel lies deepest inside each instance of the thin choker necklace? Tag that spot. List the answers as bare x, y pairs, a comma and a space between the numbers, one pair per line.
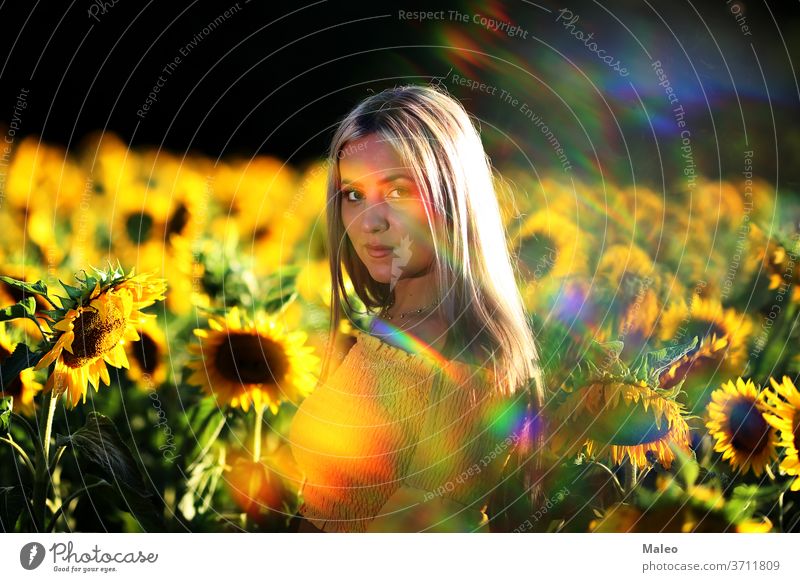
406, 313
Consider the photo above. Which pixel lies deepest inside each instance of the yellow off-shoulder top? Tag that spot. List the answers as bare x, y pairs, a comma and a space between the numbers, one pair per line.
388, 441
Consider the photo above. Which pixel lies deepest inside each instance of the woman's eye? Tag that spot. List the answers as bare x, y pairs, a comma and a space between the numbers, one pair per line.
351, 195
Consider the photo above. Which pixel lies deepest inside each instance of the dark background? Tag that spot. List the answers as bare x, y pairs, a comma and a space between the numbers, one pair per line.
276, 76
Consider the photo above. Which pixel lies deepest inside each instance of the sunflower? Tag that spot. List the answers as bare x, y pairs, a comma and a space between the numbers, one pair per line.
706, 318
551, 246
160, 198
254, 485
739, 427
146, 357
101, 315
784, 415
624, 261
243, 361
717, 200
267, 209
22, 388
623, 419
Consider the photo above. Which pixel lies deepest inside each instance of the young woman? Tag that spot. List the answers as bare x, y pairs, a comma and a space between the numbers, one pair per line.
412, 430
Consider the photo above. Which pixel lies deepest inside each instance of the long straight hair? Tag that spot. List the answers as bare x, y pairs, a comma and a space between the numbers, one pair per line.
437, 139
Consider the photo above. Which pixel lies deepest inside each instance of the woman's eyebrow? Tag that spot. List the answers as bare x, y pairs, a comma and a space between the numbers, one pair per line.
384, 180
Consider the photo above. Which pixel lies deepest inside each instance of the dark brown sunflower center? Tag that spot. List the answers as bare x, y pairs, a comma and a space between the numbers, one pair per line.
14, 387
796, 430
95, 335
178, 220
146, 353
263, 232
139, 227
251, 359
749, 431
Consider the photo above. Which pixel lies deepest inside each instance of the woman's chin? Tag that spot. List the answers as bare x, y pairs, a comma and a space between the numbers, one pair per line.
381, 275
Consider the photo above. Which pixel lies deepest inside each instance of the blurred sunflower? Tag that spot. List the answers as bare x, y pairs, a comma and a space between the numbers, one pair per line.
706, 318
109, 161
783, 413
630, 294
24, 387
551, 246
627, 261
143, 225
647, 211
266, 210
777, 262
621, 419
147, 356
254, 485
93, 325
243, 361
717, 201
739, 427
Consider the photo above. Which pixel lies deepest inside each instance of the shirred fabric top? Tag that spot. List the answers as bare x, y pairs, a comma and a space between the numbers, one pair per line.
386, 419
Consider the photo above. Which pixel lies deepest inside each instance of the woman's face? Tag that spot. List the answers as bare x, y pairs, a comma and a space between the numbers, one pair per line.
383, 211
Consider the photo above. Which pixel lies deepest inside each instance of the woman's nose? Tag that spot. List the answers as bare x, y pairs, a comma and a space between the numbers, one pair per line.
374, 216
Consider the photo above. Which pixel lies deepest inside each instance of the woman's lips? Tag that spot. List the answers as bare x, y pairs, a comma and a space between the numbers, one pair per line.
378, 252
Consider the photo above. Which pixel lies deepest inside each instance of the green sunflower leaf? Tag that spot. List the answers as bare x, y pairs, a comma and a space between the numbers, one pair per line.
746, 498
275, 302
74, 293
21, 310
685, 467
104, 454
99, 443
38, 288
206, 420
652, 364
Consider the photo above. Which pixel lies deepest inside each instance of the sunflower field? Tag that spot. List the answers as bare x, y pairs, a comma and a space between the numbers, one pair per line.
162, 317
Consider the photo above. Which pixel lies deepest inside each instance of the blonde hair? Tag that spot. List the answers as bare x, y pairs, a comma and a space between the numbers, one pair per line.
475, 279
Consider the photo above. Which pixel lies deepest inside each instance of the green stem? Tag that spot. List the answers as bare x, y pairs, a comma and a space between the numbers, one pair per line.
211, 440
257, 433
21, 452
611, 473
57, 458
48, 427
41, 481
23, 422
630, 477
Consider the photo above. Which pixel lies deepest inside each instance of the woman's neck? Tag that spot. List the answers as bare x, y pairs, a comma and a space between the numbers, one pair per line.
413, 293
